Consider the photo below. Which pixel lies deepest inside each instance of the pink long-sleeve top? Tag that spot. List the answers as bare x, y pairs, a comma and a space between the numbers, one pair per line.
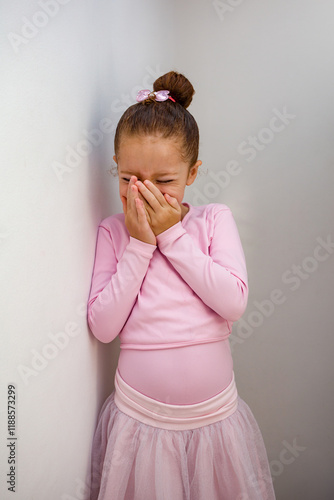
172, 304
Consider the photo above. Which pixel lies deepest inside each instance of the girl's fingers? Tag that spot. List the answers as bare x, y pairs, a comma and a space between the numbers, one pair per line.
133, 198
142, 212
135, 201
171, 200
131, 194
135, 195
154, 199
139, 206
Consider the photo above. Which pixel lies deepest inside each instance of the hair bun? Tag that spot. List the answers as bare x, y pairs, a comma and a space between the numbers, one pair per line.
178, 85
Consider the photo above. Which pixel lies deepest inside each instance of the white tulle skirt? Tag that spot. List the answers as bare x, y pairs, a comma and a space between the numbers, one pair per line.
147, 450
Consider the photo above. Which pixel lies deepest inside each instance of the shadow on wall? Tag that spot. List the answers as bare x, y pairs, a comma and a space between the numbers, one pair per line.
100, 198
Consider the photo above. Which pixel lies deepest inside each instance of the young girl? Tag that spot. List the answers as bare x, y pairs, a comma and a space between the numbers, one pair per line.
170, 278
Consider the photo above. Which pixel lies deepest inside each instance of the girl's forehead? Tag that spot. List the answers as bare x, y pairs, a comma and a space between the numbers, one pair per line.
133, 141
139, 169
149, 148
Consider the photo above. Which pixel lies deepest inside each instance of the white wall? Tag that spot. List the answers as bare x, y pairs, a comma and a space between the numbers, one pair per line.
81, 67
246, 60
84, 65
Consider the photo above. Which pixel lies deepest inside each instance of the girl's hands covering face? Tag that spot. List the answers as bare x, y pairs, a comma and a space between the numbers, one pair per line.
136, 219
162, 211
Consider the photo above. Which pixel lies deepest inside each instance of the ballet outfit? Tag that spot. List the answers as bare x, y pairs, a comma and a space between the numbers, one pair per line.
174, 427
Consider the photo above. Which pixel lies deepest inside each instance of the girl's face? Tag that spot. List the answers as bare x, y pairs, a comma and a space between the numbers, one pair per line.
156, 159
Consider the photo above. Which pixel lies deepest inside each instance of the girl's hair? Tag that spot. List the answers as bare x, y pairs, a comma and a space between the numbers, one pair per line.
167, 119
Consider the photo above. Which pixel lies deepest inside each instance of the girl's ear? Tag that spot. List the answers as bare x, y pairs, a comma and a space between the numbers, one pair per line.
115, 159
193, 172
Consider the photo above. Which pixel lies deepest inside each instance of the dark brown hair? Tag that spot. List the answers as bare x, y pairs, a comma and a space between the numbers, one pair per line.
168, 119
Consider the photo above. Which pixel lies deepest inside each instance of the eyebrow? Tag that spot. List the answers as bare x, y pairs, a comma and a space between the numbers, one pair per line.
157, 175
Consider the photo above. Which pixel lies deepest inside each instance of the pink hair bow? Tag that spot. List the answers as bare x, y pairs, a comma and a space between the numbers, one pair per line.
160, 95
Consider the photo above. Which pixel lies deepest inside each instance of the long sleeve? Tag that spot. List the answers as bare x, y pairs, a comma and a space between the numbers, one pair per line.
115, 284
220, 278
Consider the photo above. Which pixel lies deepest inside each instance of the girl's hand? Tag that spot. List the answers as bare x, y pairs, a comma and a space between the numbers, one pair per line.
135, 215
163, 211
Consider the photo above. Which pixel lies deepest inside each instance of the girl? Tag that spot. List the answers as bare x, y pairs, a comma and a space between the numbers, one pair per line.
170, 278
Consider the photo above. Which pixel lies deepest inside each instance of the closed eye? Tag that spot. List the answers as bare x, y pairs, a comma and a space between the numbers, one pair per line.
161, 182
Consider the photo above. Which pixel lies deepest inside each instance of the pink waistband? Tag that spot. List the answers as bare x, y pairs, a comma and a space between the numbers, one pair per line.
174, 417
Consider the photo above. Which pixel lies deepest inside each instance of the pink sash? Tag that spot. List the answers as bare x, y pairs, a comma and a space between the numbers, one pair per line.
174, 417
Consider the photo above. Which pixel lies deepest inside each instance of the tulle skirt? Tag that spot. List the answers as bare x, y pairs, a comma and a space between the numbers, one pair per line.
149, 450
